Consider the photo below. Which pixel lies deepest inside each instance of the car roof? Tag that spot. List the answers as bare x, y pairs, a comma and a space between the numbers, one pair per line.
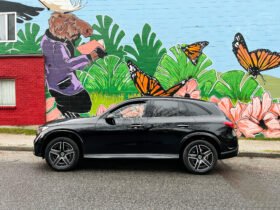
166, 98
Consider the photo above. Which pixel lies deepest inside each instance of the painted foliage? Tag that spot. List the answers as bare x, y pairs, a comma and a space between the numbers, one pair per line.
84, 79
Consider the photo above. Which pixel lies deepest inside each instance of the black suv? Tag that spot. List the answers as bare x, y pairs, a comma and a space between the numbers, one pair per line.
195, 131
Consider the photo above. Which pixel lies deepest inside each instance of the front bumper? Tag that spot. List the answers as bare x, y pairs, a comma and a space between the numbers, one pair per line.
37, 143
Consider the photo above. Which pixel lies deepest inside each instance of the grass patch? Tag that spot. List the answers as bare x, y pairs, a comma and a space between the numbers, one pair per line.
107, 100
272, 151
18, 131
261, 138
271, 85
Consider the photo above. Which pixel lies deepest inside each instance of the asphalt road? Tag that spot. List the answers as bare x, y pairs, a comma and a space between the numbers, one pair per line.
26, 182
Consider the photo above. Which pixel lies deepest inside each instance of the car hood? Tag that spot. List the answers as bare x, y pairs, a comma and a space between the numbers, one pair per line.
72, 121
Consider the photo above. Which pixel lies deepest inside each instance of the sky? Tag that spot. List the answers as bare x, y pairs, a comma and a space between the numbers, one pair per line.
184, 21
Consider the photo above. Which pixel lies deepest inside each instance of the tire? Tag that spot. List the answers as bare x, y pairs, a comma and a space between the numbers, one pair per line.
62, 154
199, 157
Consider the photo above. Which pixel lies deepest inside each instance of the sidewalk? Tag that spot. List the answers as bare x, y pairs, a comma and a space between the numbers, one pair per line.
247, 148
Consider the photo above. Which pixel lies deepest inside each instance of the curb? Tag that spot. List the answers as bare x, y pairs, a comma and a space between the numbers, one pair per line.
241, 154
16, 148
259, 154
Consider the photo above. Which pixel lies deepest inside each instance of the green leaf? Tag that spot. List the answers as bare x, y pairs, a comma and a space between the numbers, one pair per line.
28, 41
173, 69
237, 86
147, 51
107, 76
111, 35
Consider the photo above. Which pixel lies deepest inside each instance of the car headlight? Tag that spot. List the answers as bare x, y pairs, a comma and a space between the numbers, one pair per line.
41, 129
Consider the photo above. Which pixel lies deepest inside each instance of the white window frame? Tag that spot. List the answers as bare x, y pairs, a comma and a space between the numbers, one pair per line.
14, 105
7, 29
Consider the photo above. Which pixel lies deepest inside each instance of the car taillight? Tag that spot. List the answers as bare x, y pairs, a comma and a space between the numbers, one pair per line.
229, 124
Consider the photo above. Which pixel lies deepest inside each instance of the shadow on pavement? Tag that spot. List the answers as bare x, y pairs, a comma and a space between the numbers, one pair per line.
148, 165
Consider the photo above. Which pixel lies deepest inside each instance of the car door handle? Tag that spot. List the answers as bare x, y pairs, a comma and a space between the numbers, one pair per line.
136, 126
183, 126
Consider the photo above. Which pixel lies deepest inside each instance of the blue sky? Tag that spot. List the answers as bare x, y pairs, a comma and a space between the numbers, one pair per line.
185, 21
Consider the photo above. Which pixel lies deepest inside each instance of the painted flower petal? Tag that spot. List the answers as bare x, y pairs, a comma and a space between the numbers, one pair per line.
275, 108
191, 85
101, 109
243, 106
54, 114
236, 112
247, 113
182, 92
112, 106
225, 105
248, 128
195, 94
50, 103
256, 108
271, 121
266, 104
214, 99
271, 133
238, 133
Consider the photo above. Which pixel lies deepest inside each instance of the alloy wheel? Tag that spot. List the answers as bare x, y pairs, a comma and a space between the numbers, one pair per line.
200, 158
61, 155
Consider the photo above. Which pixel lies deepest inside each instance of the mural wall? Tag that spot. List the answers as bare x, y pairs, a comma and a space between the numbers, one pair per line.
91, 66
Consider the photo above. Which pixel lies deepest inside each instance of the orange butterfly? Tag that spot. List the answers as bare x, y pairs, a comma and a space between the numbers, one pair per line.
193, 51
149, 86
256, 61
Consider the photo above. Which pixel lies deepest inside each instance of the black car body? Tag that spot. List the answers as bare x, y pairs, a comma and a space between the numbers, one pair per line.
163, 129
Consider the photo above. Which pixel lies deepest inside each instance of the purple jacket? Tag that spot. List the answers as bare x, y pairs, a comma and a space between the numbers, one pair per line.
60, 67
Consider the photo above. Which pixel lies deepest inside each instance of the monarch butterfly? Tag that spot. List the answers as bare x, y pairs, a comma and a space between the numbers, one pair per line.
193, 51
256, 61
149, 86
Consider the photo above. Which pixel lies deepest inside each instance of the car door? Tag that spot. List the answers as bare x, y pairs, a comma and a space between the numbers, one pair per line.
121, 131
168, 126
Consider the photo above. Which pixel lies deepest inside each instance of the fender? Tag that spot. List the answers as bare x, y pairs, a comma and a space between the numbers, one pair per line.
64, 131
202, 133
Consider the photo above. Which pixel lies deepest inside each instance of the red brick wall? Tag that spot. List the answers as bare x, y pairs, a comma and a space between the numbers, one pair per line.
28, 73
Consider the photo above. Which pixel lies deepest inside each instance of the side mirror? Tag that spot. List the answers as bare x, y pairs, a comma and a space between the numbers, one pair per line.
110, 119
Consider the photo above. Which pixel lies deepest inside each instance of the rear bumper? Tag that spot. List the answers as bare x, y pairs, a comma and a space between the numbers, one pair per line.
229, 154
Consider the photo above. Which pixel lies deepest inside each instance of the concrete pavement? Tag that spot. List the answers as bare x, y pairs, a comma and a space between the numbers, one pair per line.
247, 148
238, 183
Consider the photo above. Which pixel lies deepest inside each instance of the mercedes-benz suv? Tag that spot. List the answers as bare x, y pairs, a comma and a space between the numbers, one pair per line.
195, 131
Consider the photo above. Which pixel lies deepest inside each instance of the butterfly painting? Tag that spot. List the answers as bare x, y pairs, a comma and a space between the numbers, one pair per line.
256, 61
194, 51
149, 86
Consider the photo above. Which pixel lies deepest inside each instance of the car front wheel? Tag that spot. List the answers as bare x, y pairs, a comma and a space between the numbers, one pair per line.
199, 157
62, 154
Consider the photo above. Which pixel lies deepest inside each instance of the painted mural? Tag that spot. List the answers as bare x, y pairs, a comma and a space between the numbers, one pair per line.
89, 70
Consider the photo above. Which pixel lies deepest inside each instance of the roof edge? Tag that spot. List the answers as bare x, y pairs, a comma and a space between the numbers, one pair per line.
25, 55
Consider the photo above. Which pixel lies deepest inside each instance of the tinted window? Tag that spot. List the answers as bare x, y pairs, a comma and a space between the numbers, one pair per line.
191, 109
163, 108
130, 111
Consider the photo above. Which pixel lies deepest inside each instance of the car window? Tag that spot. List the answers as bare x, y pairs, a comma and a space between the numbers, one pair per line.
130, 111
163, 108
191, 109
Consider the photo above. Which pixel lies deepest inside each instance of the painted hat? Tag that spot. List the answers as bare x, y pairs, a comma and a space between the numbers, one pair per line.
63, 6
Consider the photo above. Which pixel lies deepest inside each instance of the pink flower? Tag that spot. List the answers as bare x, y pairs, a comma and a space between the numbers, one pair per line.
234, 114
189, 90
257, 118
254, 118
275, 109
52, 113
100, 110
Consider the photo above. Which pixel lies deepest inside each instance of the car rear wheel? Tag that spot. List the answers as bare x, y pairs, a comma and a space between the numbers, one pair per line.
62, 154
200, 157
